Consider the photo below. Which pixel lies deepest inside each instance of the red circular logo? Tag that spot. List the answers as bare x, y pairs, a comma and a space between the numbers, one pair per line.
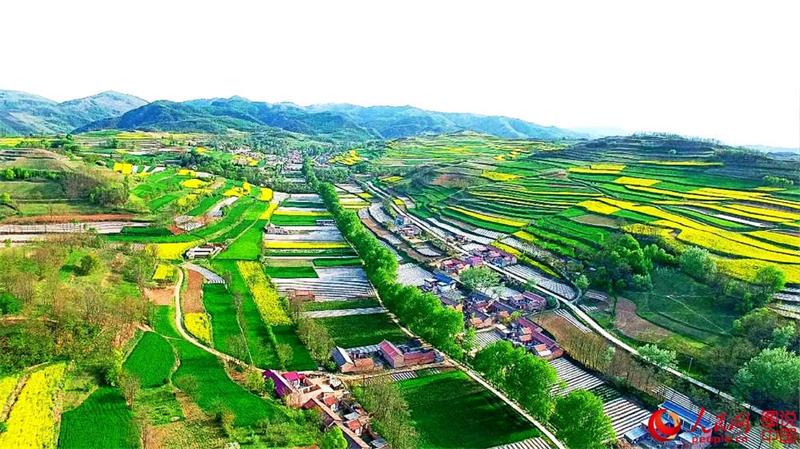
663, 431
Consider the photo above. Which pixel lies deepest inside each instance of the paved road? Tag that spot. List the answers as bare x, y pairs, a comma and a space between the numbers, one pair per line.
572, 307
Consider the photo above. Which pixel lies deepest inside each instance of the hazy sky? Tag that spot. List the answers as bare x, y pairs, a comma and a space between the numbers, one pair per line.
728, 70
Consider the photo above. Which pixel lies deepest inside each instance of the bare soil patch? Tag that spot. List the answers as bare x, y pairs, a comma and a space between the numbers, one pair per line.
634, 326
193, 297
159, 296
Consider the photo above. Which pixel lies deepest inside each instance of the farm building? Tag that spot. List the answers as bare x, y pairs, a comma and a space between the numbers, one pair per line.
689, 437
353, 361
204, 251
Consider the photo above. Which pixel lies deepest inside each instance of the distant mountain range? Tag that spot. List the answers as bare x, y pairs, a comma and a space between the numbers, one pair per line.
22, 114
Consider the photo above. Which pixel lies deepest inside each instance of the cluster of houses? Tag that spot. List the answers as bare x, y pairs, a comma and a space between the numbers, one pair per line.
407, 229
478, 256
386, 353
327, 394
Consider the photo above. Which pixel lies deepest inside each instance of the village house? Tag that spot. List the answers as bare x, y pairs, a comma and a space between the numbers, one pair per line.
204, 251
690, 437
495, 256
187, 223
526, 333
530, 302
410, 231
353, 361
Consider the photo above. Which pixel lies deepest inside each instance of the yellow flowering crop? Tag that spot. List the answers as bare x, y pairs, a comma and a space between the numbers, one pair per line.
636, 181
267, 214
31, 423
198, 325
264, 294
192, 183
790, 216
746, 269
489, 218
498, 176
778, 237
187, 172
172, 251
124, 168
598, 207
163, 272
391, 179
347, 158
265, 194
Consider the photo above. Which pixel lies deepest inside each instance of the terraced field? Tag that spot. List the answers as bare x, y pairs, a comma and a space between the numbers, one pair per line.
567, 201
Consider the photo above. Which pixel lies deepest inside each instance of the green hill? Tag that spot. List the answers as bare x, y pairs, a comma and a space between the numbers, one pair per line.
22, 113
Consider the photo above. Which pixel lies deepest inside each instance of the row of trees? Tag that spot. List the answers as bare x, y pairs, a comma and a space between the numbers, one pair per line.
390, 412
578, 417
422, 312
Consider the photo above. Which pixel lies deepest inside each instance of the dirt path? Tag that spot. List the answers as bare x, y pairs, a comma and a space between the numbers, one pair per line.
186, 336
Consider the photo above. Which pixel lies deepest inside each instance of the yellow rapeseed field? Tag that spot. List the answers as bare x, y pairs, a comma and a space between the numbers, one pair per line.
778, 237
198, 324
163, 272
264, 294
746, 269
498, 176
267, 214
598, 207
636, 181
192, 183
265, 194
124, 168
31, 423
173, 251
187, 172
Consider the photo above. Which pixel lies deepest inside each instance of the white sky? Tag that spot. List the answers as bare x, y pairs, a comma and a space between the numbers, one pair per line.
722, 69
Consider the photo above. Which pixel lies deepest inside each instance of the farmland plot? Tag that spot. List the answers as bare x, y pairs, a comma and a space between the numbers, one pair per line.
331, 284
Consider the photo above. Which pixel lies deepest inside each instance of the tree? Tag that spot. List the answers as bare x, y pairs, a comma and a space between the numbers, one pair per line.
580, 421
770, 379
660, 357
285, 353
768, 281
582, 282
129, 385
758, 326
86, 265
333, 439
783, 337
524, 377
697, 263
480, 278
